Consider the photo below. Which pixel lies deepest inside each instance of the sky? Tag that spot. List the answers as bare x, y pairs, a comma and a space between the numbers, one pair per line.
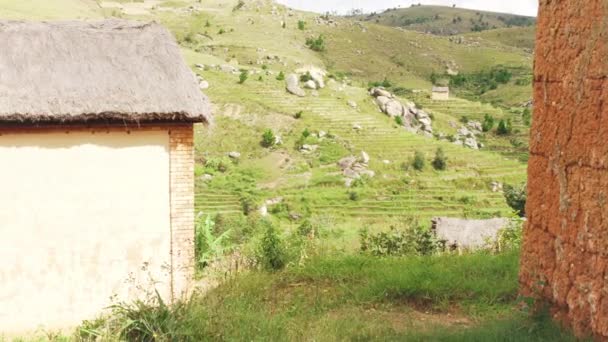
524, 7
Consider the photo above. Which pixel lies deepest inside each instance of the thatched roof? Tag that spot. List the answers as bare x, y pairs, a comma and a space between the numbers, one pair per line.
441, 90
109, 71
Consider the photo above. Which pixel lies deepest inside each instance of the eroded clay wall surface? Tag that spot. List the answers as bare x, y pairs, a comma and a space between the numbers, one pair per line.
565, 253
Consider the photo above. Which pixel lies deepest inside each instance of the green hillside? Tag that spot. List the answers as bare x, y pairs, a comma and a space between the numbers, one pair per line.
442, 20
520, 37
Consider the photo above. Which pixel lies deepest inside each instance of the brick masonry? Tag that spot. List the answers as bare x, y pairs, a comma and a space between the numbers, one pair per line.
565, 253
181, 145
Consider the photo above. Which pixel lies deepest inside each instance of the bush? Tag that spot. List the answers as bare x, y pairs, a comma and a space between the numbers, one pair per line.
208, 247
268, 138
243, 76
221, 31
271, 254
527, 117
281, 76
305, 133
298, 115
411, 240
504, 127
301, 25
384, 83
419, 161
353, 196
464, 119
316, 44
440, 162
516, 196
488, 123
399, 120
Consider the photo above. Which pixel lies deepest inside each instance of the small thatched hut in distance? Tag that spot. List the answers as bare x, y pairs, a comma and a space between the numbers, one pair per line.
96, 168
440, 93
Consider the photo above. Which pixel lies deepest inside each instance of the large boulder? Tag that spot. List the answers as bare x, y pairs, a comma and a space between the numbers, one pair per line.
310, 84
381, 101
394, 108
317, 75
375, 92
293, 85
468, 234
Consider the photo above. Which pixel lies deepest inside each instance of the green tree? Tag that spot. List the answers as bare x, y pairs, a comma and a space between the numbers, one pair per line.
268, 138
504, 127
419, 161
301, 25
488, 123
516, 196
440, 162
243, 76
281, 76
271, 252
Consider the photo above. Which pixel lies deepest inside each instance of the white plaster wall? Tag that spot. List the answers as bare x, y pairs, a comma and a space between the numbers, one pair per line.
81, 215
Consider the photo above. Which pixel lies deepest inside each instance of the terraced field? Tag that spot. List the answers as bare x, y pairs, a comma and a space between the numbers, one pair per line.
462, 190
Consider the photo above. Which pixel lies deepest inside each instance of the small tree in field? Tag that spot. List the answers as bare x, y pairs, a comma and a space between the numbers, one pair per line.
419, 161
301, 25
440, 162
268, 138
243, 76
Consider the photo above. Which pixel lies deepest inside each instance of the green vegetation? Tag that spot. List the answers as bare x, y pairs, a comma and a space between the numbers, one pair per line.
488, 123
440, 163
419, 161
446, 20
505, 127
301, 25
281, 76
268, 138
516, 196
243, 76
316, 44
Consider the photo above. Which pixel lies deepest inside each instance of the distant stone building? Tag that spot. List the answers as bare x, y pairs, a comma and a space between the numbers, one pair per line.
440, 94
96, 169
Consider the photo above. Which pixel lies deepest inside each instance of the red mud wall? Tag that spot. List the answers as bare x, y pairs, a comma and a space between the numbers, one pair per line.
565, 253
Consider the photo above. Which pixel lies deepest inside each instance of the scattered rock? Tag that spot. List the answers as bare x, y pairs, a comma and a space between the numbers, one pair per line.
206, 177
386, 162
203, 85
234, 155
308, 148
394, 108
475, 126
357, 127
471, 143
310, 84
364, 157
228, 68
414, 120
317, 75
496, 186
321, 134
293, 85
352, 103
377, 91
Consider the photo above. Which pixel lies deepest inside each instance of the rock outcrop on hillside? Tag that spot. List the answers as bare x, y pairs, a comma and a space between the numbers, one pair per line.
414, 119
293, 85
354, 168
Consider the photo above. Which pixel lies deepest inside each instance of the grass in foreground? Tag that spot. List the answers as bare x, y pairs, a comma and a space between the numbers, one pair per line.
439, 298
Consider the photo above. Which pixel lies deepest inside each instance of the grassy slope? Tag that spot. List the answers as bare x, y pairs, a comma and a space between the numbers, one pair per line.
447, 298
521, 37
443, 20
44, 10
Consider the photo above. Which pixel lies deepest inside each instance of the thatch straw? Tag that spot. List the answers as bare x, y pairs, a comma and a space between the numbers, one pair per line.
77, 72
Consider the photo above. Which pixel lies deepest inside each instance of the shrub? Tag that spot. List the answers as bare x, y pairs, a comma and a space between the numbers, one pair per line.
305, 133
243, 76
281, 76
298, 115
208, 247
411, 240
207, 23
353, 196
440, 162
399, 120
271, 254
316, 44
419, 161
504, 127
301, 25
268, 138
488, 123
516, 196
221, 31
527, 117
464, 119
